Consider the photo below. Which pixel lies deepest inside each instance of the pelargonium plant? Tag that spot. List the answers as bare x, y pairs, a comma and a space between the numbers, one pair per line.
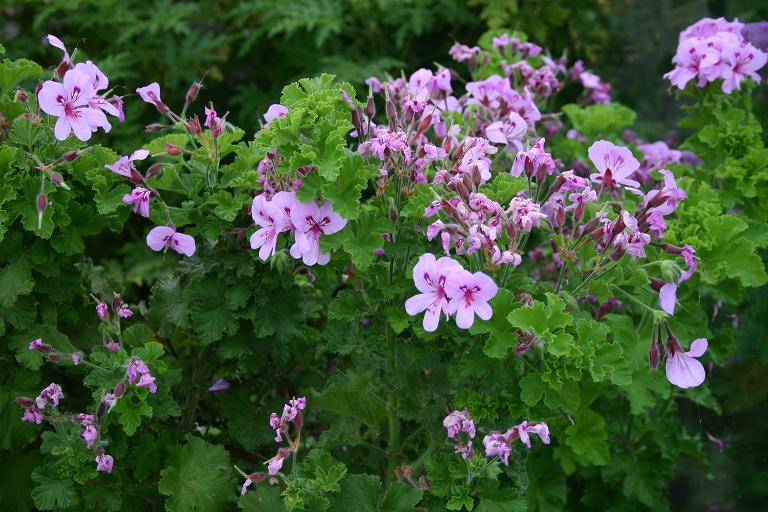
452, 250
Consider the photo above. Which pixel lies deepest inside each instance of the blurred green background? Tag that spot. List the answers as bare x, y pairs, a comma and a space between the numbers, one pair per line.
248, 49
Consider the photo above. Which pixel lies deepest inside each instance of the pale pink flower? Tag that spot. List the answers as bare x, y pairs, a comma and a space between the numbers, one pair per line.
135, 368
124, 166
139, 198
459, 421
524, 430
689, 255
69, 101
469, 295
431, 277
32, 415
151, 94
272, 218
497, 445
615, 164
51, 394
310, 221
683, 368
104, 463
102, 310
89, 435
275, 110
163, 237
147, 381
275, 464
220, 385
57, 43
668, 298
509, 131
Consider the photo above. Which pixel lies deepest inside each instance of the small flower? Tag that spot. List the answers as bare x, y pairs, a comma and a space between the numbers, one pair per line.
51, 394
273, 219
124, 166
213, 122
524, 430
683, 369
219, 385
689, 255
470, 294
254, 478
69, 101
90, 434
76, 357
275, 464
135, 368
615, 164
310, 222
139, 198
497, 445
104, 462
151, 94
275, 110
431, 277
102, 310
147, 381
124, 312
40, 346
32, 415
668, 297
163, 237
113, 346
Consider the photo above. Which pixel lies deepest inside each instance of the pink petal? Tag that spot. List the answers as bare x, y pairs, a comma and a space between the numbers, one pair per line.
159, 236
418, 303
698, 347
139, 154
47, 98
62, 128
668, 298
183, 244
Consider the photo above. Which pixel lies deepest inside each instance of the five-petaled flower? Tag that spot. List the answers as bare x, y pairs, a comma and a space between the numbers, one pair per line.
683, 369
164, 237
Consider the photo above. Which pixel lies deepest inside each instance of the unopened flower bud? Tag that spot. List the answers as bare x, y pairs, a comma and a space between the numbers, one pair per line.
425, 123
153, 170
42, 204
22, 96
193, 91
24, 401
117, 301
57, 179
393, 214
172, 149
525, 299
119, 390
370, 107
154, 127
391, 113
257, 477
162, 107
193, 126
101, 411
69, 156
54, 357
655, 354
656, 284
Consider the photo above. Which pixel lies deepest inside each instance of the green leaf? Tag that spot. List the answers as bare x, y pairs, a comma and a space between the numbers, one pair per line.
345, 192
52, 491
198, 477
15, 280
14, 72
532, 389
359, 493
360, 238
401, 497
588, 438
130, 412
262, 498
501, 337
546, 321
323, 469
602, 119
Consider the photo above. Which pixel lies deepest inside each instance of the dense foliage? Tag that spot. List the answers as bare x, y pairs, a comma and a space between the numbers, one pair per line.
449, 290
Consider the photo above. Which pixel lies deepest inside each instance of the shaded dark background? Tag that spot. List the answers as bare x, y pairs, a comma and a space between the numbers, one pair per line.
248, 49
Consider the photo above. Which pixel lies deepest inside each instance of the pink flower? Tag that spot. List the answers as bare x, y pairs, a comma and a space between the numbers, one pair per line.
213, 122
689, 255
51, 394
431, 278
163, 237
32, 415
89, 435
615, 164
135, 367
310, 221
524, 213
147, 381
84, 419
497, 445
151, 94
124, 311
219, 385
139, 198
508, 131
70, 102
273, 219
534, 162
744, 62
76, 357
275, 464
57, 43
113, 346
124, 166
275, 110
40, 346
682, 368
459, 421
524, 430
104, 463
469, 295
102, 310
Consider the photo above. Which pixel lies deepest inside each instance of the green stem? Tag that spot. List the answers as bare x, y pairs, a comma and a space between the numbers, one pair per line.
393, 447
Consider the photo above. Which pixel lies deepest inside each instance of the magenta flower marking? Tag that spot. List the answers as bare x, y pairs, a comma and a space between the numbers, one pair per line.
615, 164
683, 368
164, 237
431, 277
151, 94
470, 294
310, 221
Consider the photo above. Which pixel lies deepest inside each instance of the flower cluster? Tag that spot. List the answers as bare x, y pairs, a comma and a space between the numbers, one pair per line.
281, 425
713, 49
500, 445
307, 222
447, 288
74, 97
459, 422
138, 372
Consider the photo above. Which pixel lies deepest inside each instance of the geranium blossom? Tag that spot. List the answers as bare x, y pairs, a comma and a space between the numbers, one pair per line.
469, 295
124, 166
163, 237
683, 369
431, 277
104, 462
139, 198
614, 164
69, 101
272, 218
310, 221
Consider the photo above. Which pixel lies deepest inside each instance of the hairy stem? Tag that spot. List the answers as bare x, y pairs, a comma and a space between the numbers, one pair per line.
393, 444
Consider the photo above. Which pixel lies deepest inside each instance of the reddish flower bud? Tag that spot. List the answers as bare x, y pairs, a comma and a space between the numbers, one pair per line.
120, 390
101, 411
117, 301
656, 284
155, 127
370, 107
257, 477
57, 179
69, 156
54, 357
655, 354
42, 203
391, 113
154, 170
193, 126
193, 91
24, 401
21, 96
172, 149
